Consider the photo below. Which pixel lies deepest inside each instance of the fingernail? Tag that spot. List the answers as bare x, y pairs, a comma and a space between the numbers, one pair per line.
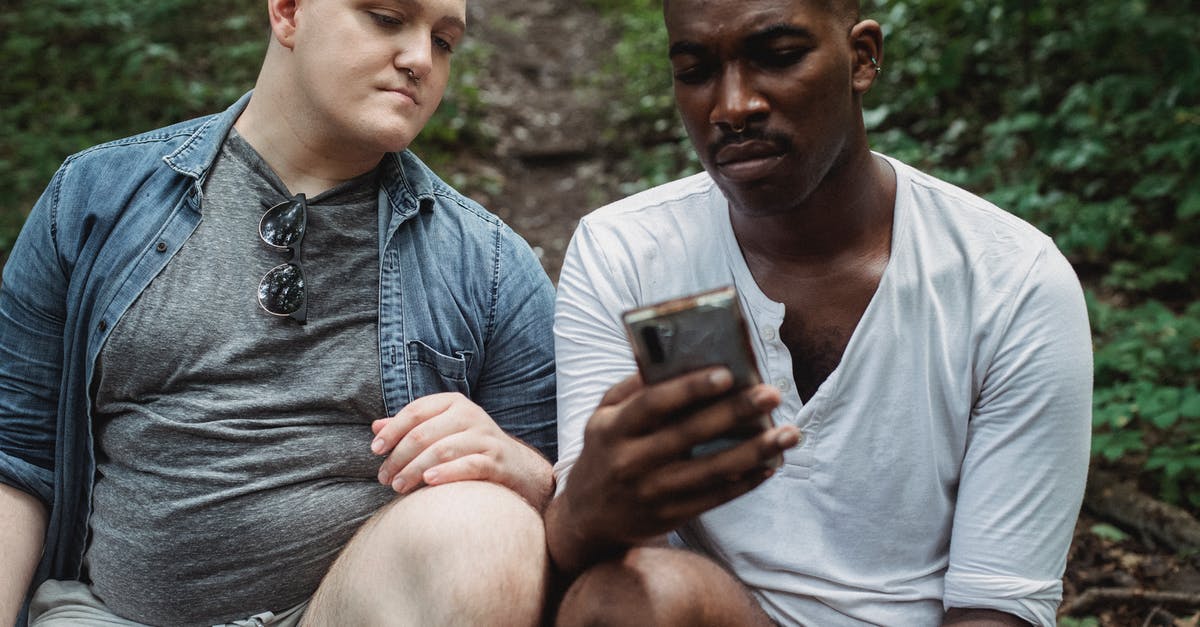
398, 485
377, 446
788, 439
431, 476
720, 377
383, 477
762, 399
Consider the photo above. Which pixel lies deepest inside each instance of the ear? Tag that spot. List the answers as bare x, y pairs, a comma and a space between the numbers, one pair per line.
282, 14
866, 42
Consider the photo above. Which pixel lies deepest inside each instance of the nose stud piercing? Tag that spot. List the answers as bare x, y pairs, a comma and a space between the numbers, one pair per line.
413, 76
738, 129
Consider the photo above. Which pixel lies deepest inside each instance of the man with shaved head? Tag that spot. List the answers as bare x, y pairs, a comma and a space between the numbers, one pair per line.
927, 359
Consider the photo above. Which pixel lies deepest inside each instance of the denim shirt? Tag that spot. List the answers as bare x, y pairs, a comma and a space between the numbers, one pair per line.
464, 306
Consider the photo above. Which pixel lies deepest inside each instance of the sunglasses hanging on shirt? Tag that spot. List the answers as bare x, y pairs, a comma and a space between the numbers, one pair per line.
281, 291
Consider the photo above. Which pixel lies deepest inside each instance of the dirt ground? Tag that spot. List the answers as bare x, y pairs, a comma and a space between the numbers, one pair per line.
546, 170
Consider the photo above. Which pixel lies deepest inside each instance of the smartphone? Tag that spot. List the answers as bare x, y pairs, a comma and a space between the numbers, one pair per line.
684, 334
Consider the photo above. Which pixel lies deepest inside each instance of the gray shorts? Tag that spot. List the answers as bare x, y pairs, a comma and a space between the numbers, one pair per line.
70, 603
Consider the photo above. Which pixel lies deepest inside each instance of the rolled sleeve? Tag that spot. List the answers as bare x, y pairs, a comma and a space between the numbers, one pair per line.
32, 314
1024, 472
517, 383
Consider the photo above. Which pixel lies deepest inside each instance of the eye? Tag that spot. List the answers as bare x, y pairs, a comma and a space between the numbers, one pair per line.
780, 57
386, 20
444, 44
692, 71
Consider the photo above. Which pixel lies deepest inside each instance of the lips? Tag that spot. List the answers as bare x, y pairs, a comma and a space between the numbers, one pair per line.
748, 160
403, 92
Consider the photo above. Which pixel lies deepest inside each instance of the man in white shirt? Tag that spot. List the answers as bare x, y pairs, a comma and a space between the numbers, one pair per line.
927, 356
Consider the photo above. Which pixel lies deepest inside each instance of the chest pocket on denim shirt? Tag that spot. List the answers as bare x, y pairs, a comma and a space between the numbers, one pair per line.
430, 372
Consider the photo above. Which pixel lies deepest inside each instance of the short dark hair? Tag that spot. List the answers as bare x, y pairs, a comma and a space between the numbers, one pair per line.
847, 9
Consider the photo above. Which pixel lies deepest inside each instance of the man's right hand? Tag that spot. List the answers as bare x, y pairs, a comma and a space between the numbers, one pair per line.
635, 480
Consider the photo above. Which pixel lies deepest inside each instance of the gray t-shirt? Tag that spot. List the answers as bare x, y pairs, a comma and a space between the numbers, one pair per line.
232, 445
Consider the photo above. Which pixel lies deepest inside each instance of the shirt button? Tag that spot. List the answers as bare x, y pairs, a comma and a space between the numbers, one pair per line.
783, 384
103, 326
800, 439
768, 333
161, 247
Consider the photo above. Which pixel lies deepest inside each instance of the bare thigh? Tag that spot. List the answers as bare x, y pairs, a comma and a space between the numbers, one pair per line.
461, 553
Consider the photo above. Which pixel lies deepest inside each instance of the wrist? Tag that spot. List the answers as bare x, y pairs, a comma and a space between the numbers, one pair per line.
572, 547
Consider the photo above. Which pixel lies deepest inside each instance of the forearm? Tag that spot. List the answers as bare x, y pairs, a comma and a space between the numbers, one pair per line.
537, 484
571, 550
974, 617
23, 521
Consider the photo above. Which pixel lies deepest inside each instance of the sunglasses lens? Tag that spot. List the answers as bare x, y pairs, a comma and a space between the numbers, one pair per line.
281, 291
282, 225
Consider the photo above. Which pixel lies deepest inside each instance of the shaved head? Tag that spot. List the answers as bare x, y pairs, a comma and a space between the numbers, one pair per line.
848, 10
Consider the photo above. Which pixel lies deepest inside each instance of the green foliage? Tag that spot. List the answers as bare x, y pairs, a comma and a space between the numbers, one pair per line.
1109, 532
642, 124
1063, 114
1147, 401
77, 73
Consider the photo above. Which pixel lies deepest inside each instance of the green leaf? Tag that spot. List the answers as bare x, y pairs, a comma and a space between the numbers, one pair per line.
1106, 531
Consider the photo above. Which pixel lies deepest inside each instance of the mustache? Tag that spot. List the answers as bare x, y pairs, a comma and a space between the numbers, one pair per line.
728, 137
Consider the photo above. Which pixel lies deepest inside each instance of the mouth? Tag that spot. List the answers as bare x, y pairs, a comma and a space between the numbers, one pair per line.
403, 93
748, 160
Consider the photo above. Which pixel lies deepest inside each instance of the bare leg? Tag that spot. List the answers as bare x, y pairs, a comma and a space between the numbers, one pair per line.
659, 586
467, 553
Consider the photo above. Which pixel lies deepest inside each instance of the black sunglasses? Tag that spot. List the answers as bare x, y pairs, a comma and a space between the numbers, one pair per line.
281, 291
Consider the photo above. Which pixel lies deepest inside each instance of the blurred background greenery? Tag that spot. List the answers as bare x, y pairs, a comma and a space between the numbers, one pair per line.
1083, 118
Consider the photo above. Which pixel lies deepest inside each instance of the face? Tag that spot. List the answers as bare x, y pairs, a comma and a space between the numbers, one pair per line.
769, 92
371, 72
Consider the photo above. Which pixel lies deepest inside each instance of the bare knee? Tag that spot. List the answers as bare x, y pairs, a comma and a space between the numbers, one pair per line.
658, 586
460, 553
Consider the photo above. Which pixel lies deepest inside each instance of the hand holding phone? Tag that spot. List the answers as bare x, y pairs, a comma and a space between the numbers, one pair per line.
684, 334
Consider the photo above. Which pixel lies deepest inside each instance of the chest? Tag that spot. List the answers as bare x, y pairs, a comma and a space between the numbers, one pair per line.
820, 317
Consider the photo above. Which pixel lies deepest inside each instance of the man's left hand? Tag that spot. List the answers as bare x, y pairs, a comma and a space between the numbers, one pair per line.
446, 437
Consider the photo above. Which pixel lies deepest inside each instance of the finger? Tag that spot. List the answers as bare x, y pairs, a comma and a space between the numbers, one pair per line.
684, 509
460, 415
446, 450
474, 467
703, 475
389, 431
658, 404
739, 416
622, 390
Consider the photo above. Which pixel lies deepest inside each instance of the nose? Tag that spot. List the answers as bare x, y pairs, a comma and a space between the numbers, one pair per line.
738, 104
416, 56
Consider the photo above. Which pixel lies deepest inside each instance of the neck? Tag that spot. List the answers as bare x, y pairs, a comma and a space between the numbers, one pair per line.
849, 214
295, 143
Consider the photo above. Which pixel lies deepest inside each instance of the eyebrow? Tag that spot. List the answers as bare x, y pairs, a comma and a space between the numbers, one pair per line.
451, 20
774, 31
